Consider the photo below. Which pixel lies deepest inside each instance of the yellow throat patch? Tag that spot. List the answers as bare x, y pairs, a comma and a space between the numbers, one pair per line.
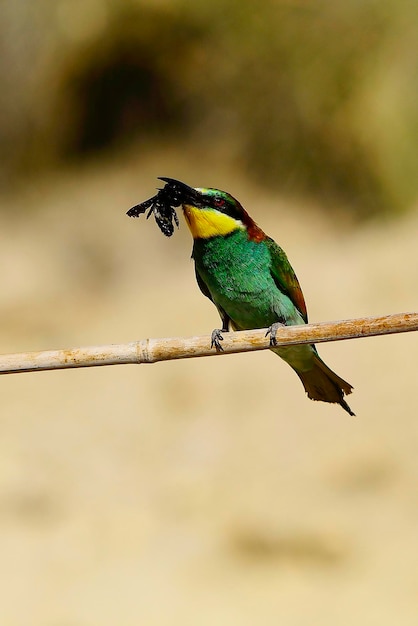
206, 223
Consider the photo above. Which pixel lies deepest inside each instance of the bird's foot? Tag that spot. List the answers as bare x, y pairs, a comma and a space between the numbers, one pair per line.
272, 331
215, 340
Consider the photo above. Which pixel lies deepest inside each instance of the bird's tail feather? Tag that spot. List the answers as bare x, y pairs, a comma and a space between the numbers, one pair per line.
321, 383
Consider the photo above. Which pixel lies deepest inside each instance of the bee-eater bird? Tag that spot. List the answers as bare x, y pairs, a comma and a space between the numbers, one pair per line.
252, 284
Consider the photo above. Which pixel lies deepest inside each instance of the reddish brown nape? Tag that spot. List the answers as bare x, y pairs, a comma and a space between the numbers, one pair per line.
254, 232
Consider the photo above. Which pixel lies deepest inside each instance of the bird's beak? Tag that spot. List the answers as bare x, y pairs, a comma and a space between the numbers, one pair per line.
182, 192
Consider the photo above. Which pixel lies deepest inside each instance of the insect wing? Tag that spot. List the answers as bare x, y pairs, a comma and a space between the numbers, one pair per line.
138, 209
163, 214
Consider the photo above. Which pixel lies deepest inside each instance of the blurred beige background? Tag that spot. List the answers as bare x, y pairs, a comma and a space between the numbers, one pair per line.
210, 491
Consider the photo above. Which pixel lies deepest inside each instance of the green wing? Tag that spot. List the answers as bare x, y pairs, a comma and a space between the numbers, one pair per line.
285, 277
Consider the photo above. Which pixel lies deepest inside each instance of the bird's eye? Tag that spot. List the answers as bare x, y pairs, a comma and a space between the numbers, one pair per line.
219, 202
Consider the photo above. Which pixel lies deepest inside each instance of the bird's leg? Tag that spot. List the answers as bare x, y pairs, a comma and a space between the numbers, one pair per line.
272, 331
216, 337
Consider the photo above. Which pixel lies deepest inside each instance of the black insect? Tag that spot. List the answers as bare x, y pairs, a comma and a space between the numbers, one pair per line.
163, 204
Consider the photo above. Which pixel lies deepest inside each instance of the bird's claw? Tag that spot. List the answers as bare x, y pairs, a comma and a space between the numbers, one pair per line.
272, 331
215, 340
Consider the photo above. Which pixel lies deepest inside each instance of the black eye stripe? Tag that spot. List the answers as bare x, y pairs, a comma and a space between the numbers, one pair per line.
227, 208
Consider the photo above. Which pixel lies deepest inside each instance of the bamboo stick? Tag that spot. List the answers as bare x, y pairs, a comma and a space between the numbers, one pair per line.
154, 350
